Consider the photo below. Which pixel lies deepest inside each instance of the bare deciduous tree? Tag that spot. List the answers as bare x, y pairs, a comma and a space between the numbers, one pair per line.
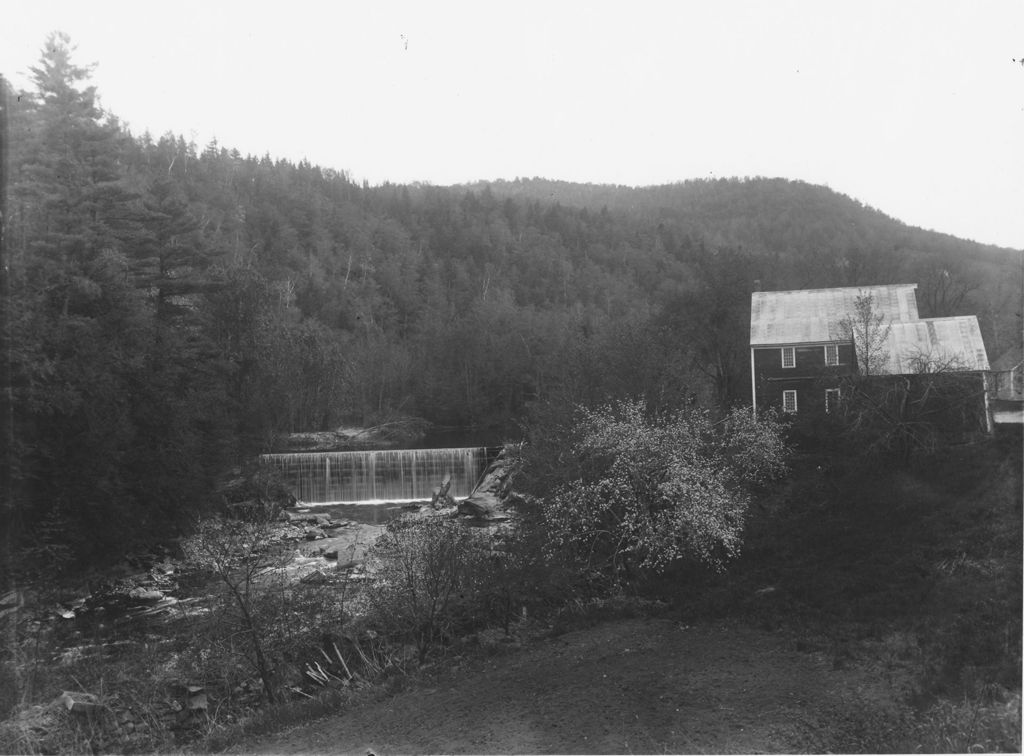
869, 331
238, 553
945, 287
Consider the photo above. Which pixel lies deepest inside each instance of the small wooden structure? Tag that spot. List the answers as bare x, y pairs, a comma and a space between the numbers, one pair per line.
1005, 384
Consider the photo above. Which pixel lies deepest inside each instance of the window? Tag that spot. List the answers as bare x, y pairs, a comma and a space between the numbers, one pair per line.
788, 357
789, 401
831, 354
831, 399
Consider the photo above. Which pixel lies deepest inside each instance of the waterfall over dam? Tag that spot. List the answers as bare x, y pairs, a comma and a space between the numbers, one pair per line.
385, 475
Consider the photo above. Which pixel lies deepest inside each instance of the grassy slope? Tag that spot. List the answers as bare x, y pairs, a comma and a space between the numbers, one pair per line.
637, 685
883, 583
915, 573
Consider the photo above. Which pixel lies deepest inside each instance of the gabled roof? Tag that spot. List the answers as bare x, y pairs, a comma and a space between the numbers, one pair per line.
935, 344
813, 315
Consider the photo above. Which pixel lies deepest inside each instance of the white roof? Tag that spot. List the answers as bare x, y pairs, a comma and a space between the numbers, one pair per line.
935, 343
813, 315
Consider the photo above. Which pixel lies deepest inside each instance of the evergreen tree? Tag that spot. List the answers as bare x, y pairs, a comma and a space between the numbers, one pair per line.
85, 338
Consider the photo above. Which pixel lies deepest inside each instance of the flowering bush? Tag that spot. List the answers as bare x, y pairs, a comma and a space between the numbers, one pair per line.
656, 490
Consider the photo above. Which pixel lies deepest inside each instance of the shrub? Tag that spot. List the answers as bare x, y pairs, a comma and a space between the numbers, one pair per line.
241, 555
656, 490
516, 576
427, 572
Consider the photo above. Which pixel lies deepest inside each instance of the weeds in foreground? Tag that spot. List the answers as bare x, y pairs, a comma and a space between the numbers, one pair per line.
221, 735
973, 725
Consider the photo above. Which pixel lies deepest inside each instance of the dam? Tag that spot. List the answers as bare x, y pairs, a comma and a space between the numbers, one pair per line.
378, 476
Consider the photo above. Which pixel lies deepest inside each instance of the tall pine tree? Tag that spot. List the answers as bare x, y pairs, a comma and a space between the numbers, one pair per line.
83, 322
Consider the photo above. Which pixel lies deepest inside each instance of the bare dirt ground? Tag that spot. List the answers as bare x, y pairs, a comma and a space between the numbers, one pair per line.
625, 686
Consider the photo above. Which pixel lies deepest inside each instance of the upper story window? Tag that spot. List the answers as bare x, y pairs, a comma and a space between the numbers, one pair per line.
788, 357
831, 354
789, 401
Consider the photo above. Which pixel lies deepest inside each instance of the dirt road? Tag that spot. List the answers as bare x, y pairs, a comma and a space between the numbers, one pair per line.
627, 686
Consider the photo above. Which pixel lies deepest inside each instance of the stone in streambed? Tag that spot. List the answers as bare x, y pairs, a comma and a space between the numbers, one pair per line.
145, 596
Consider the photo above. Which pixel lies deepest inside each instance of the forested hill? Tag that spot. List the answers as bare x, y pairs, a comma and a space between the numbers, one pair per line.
764, 215
175, 307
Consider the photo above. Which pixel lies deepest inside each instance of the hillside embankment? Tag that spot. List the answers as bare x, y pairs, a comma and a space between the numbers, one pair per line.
624, 686
873, 610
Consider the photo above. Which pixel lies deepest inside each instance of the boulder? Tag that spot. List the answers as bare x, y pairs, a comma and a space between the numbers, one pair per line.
145, 595
497, 479
316, 577
490, 501
84, 705
187, 699
195, 698
484, 506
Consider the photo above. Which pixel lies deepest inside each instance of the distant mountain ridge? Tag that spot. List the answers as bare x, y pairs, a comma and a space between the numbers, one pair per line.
739, 212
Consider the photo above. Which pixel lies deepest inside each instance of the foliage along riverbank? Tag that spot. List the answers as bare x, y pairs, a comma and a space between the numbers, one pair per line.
886, 600
907, 579
135, 657
431, 577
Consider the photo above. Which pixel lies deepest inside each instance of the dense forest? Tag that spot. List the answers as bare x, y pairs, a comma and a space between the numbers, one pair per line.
174, 308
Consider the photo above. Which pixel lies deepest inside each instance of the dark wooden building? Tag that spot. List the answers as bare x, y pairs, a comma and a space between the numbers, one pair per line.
801, 345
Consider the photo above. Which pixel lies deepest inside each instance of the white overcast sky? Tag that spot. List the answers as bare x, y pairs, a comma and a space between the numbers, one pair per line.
915, 108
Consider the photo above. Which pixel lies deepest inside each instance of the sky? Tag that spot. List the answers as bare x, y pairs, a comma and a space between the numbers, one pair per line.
915, 108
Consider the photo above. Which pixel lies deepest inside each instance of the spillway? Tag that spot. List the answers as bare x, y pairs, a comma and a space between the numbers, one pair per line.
385, 475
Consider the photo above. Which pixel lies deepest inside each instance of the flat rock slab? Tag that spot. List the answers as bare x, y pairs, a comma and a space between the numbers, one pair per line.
628, 686
350, 544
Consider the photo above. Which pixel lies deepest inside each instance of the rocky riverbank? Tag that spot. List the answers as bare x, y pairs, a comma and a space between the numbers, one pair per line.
149, 585
143, 612
141, 657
